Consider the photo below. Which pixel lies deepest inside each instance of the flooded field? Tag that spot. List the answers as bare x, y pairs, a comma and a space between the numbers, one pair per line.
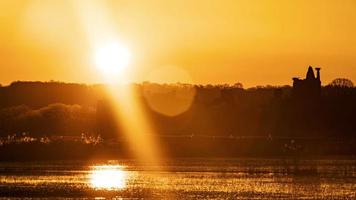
182, 179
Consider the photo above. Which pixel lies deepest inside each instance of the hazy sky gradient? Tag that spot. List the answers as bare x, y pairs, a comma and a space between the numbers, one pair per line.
255, 42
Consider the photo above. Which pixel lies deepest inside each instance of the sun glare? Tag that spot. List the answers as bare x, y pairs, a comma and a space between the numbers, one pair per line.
109, 177
112, 58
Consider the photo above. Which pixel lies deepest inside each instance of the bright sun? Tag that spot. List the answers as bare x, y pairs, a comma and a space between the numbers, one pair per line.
112, 58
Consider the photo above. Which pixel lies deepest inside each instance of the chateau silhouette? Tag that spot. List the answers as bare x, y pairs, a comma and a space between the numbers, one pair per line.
310, 87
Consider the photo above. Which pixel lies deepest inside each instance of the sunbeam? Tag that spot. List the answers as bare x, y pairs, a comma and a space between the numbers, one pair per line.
111, 58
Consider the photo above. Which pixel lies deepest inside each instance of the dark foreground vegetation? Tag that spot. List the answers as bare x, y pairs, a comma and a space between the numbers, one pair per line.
197, 146
75, 121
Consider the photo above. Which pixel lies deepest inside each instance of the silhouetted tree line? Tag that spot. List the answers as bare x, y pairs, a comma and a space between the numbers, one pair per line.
54, 108
54, 119
41, 94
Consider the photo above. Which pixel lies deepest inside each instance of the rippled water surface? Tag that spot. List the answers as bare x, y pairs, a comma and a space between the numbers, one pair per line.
182, 179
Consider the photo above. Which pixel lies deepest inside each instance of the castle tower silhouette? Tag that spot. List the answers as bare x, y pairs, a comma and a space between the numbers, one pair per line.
308, 88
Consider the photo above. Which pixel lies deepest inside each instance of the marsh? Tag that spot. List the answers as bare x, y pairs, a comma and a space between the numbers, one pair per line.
251, 178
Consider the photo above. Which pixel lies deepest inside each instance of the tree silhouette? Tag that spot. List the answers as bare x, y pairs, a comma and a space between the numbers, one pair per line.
342, 83
238, 85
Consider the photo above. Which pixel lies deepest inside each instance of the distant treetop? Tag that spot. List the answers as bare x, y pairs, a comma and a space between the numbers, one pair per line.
342, 83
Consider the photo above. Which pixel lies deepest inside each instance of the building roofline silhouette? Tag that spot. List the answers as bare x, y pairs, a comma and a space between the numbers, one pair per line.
310, 87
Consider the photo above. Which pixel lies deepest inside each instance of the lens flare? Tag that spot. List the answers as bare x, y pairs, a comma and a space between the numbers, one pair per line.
165, 100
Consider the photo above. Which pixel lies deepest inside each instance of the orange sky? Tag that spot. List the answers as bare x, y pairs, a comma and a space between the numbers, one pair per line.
256, 42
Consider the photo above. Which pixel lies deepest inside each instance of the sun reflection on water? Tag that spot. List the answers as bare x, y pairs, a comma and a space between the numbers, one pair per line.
109, 177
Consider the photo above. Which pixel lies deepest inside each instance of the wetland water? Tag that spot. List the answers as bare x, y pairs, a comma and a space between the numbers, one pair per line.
182, 179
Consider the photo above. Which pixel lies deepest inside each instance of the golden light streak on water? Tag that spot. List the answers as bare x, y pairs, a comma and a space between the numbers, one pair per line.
191, 179
96, 21
108, 177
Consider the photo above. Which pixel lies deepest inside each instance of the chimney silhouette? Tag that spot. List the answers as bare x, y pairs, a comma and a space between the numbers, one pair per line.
318, 73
